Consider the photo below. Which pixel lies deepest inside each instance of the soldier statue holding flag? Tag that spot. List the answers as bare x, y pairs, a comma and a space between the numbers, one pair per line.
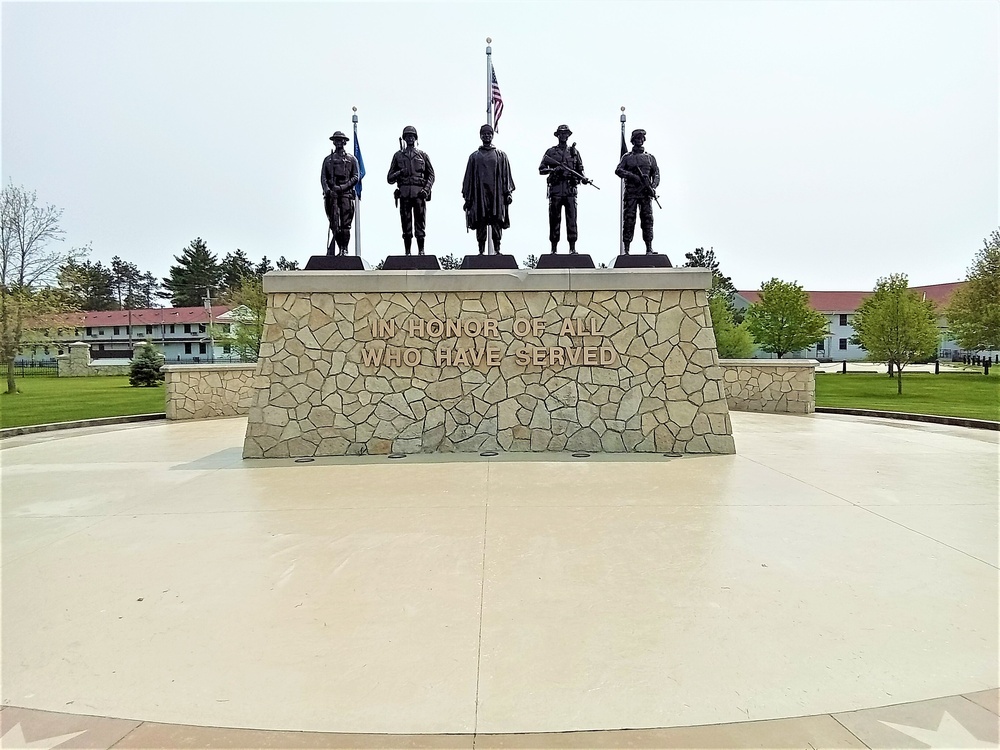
413, 174
338, 178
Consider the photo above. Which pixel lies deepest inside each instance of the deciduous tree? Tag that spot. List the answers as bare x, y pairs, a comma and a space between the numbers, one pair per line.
28, 266
895, 325
782, 321
974, 310
732, 339
248, 306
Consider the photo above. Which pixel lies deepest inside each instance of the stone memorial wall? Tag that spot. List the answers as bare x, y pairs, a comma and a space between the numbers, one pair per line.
440, 361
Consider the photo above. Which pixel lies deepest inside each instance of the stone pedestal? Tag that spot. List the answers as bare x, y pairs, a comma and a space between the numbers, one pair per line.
486, 262
564, 260
335, 263
424, 361
650, 260
411, 263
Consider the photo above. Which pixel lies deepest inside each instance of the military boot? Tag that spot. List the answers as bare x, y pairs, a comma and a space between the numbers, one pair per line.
554, 246
406, 245
572, 248
420, 245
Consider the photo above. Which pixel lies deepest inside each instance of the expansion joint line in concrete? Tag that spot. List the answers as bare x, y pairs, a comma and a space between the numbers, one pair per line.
865, 508
482, 596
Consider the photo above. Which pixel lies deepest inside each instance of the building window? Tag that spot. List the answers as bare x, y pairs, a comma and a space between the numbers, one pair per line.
201, 348
116, 331
843, 344
149, 329
227, 349
172, 328
187, 328
187, 348
100, 331
90, 331
100, 347
820, 347
201, 328
843, 319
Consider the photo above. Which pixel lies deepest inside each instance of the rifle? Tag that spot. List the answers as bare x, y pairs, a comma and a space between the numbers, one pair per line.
648, 186
559, 165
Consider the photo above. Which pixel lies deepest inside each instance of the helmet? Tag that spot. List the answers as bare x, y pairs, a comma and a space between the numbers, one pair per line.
563, 129
638, 131
409, 130
339, 134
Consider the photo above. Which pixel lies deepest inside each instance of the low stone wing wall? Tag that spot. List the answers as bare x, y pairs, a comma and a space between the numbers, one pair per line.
772, 385
201, 391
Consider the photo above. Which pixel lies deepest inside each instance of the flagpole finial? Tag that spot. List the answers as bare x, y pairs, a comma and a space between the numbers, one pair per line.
623, 114
354, 117
489, 41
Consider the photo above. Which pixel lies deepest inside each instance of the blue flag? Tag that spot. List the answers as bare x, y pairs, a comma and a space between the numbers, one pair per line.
361, 164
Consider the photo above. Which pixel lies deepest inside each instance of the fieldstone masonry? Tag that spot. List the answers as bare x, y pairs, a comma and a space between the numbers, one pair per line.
778, 385
202, 391
440, 361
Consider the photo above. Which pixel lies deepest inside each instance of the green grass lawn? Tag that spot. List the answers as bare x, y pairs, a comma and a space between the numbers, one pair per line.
966, 394
52, 399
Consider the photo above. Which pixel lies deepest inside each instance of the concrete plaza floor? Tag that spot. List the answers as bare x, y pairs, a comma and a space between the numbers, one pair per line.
159, 591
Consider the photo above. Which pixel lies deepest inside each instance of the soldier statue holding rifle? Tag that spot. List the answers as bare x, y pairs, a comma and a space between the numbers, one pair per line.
413, 175
564, 168
642, 177
338, 178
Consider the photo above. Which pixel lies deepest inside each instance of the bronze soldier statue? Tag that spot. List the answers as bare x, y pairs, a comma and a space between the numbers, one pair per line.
338, 178
487, 189
412, 172
564, 168
642, 177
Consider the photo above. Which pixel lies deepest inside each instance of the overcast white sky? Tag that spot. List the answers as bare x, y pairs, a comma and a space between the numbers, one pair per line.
824, 142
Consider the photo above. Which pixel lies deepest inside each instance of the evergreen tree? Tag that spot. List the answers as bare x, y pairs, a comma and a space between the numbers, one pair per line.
287, 265
449, 262
895, 325
87, 285
125, 279
531, 261
145, 368
263, 267
782, 320
196, 270
235, 267
145, 294
722, 285
974, 310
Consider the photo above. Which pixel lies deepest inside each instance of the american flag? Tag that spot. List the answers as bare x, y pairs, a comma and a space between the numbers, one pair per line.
497, 100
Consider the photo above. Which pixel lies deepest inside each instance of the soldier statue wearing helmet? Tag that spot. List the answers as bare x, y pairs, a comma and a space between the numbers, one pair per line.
413, 175
641, 176
564, 168
338, 178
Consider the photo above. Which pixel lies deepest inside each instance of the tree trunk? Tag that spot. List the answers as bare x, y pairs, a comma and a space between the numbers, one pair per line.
899, 380
11, 388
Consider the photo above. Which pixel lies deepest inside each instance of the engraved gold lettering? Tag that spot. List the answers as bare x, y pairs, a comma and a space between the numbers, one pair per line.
453, 328
435, 328
590, 355
411, 357
538, 326
393, 357
567, 328
416, 327
538, 355
608, 355
493, 357
461, 358
443, 357
372, 357
383, 329
521, 327
592, 323
491, 329
522, 357
574, 355
556, 355
473, 327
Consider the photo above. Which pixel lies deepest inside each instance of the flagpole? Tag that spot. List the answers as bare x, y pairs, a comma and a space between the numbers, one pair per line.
357, 198
621, 201
489, 121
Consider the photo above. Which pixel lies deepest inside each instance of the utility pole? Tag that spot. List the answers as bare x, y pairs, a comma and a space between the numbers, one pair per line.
211, 333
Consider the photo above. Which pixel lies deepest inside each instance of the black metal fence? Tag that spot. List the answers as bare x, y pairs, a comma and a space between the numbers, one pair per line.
35, 367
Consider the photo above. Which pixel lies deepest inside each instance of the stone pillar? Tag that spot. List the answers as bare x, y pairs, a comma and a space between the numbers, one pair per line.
76, 364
